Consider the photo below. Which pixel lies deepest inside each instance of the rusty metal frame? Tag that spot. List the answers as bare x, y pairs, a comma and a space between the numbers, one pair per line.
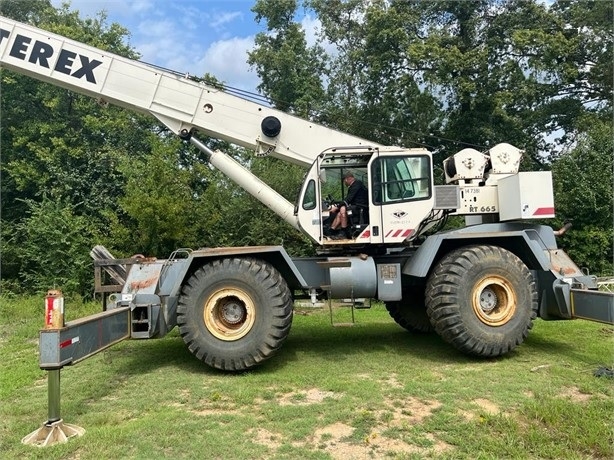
110, 283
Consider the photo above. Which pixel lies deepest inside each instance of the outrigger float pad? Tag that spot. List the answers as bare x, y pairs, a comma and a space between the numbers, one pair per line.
53, 433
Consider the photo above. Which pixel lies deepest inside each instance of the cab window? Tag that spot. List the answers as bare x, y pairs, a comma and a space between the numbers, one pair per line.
309, 199
400, 179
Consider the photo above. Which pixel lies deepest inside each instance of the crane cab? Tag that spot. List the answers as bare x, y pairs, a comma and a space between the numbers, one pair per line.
400, 187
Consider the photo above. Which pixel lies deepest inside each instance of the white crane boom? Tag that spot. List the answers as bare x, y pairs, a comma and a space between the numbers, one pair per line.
179, 102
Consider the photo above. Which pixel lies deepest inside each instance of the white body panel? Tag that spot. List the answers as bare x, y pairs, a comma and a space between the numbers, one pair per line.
476, 200
526, 195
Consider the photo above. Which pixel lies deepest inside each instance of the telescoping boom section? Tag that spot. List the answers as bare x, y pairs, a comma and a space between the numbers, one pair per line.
180, 102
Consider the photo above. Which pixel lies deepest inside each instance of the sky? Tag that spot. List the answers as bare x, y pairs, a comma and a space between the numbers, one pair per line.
189, 36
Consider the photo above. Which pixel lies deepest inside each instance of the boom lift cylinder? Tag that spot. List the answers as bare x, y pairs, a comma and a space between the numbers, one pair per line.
250, 183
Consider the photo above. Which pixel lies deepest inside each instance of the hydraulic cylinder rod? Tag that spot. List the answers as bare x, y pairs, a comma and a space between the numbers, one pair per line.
249, 182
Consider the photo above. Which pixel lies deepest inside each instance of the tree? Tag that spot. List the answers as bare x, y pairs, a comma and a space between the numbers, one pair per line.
62, 143
112, 176
370, 93
61, 153
30, 11
571, 57
160, 201
49, 247
442, 74
449, 74
288, 69
583, 181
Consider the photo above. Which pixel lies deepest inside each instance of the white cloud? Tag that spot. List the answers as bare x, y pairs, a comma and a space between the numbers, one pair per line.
140, 6
164, 28
220, 20
227, 61
313, 28
191, 36
116, 8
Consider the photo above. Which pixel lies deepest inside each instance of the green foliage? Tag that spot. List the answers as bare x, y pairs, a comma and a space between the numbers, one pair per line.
231, 217
295, 84
158, 197
371, 92
26, 10
49, 248
47, 160
453, 73
60, 155
450, 74
58, 141
583, 181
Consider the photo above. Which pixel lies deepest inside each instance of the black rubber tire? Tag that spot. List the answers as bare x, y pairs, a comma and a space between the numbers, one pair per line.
257, 304
410, 311
482, 300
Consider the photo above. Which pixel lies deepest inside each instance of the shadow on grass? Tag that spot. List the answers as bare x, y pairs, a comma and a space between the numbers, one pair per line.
541, 343
329, 343
143, 356
334, 346
333, 343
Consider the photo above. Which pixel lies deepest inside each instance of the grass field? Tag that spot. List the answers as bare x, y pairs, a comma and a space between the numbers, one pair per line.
368, 391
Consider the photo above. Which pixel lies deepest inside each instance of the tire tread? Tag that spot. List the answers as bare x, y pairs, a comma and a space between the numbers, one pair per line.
443, 307
281, 304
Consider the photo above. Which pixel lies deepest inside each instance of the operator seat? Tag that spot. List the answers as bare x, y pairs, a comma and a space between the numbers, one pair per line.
358, 218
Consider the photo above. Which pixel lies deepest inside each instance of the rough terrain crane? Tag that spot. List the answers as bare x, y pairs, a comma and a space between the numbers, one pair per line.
479, 287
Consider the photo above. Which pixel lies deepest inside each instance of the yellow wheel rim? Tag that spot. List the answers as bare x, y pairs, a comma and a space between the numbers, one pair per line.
229, 314
494, 301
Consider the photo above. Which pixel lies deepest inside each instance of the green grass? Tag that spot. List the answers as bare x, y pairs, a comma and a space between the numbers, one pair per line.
369, 391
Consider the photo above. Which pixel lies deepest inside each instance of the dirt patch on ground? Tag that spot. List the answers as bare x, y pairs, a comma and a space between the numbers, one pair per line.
335, 440
487, 406
388, 436
484, 406
304, 398
409, 411
575, 394
214, 405
404, 414
338, 439
467, 415
393, 382
266, 438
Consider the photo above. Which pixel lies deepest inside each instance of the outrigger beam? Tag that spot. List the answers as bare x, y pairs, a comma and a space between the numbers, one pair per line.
67, 345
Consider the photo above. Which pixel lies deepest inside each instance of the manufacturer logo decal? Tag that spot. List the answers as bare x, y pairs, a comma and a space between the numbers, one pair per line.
44, 55
399, 214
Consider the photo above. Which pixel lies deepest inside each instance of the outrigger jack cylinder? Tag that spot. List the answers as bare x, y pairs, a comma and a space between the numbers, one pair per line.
66, 344
54, 430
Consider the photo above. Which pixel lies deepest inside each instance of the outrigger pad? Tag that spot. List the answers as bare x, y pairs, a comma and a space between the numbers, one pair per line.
53, 433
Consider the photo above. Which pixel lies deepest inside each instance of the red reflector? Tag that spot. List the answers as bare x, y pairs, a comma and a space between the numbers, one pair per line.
543, 211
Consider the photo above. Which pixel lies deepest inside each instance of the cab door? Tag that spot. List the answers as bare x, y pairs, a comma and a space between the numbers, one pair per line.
374, 230
309, 204
401, 194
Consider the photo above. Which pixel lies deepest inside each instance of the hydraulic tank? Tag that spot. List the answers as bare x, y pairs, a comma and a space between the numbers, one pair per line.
356, 278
